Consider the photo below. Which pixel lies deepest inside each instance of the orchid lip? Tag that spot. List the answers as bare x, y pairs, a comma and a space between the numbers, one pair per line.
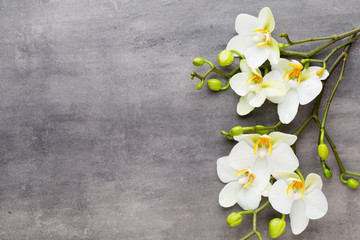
295, 73
249, 173
267, 37
296, 184
264, 141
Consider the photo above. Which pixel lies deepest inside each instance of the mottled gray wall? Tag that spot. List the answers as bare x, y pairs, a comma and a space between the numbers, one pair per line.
104, 136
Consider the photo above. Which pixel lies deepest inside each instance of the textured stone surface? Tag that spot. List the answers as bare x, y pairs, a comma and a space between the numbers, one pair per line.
104, 136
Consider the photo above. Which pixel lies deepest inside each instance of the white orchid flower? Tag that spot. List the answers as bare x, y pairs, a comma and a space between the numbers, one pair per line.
254, 40
302, 200
267, 152
303, 85
244, 184
254, 89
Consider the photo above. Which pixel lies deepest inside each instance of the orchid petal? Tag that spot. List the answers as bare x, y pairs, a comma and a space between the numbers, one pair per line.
266, 18
238, 83
298, 219
274, 56
258, 99
256, 56
278, 137
241, 156
278, 197
246, 24
240, 43
308, 90
282, 66
249, 138
262, 174
227, 196
274, 88
311, 72
224, 171
243, 107
248, 198
316, 205
283, 158
312, 182
285, 175
287, 110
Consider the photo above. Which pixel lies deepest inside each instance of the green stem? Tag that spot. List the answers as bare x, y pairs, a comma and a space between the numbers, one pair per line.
353, 38
300, 174
332, 94
290, 43
303, 125
352, 174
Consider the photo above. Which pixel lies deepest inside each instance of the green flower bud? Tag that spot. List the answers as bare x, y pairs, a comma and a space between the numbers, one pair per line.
225, 58
199, 86
352, 183
281, 46
323, 151
198, 61
229, 137
235, 131
276, 227
262, 132
327, 173
234, 219
214, 84
224, 133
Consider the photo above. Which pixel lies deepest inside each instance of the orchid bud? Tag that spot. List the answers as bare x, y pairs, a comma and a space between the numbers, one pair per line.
199, 86
276, 227
281, 46
230, 137
198, 61
225, 58
320, 72
323, 151
327, 173
235, 131
234, 219
352, 183
214, 84
262, 132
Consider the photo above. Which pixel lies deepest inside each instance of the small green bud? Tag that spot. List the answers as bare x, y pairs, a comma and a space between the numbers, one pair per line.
198, 61
235, 131
262, 132
234, 219
281, 46
225, 58
323, 151
214, 84
199, 86
229, 137
327, 173
276, 227
352, 183
224, 133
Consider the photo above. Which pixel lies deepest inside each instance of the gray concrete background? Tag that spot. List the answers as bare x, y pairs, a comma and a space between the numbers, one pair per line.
104, 136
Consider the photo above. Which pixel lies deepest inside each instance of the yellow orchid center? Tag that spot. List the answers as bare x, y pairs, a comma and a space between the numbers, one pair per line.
264, 144
246, 177
255, 80
262, 37
295, 73
296, 189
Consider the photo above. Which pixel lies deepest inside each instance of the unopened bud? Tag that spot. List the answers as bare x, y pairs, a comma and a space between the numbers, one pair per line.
234, 219
281, 46
327, 173
352, 183
199, 86
229, 137
235, 131
320, 72
262, 132
276, 227
214, 84
198, 61
225, 58
323, 151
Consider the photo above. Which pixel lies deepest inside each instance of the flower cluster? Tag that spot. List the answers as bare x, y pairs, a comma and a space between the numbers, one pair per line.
263, 162
288, 84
